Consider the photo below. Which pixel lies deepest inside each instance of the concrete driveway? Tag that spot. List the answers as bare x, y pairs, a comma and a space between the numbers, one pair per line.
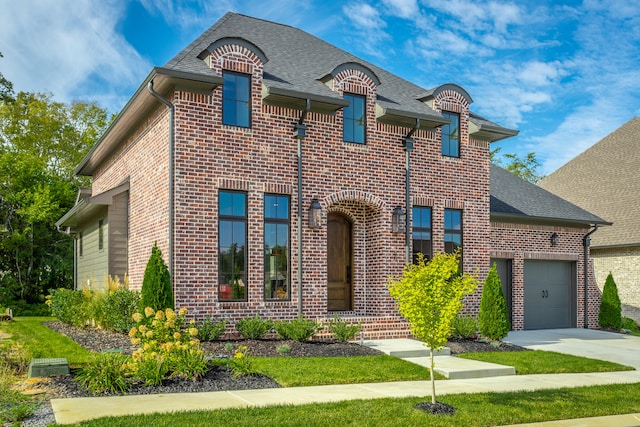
594, 344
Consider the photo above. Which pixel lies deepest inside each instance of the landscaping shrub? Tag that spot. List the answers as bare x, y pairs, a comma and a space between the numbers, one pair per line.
211, 330
157, 291
298, 329
69, 306
342, 330
241, 363
108, 372
118, 307
610, 315
465, 327
254, 328
629, 324
493, 317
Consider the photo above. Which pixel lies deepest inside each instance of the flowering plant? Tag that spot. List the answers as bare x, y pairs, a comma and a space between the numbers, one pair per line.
167, 344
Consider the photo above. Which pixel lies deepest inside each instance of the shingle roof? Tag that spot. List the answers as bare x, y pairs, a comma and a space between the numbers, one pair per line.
513, 197
296, 61
605, 179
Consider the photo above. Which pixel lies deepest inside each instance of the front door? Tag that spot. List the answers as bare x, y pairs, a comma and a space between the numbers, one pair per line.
339, 294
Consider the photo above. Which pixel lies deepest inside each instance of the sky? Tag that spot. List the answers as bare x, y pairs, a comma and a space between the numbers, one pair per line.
563, 73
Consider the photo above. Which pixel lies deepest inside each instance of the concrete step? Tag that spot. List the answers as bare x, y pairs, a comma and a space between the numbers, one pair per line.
450, 367
456, 368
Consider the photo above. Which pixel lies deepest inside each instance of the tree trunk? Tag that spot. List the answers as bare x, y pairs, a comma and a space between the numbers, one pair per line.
433, 378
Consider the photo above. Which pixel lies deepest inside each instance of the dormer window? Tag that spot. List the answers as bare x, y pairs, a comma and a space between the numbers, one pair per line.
236, 99
451, 135
354, 119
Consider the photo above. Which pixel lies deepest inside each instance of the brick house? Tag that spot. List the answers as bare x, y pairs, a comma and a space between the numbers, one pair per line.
605, 180
275, 170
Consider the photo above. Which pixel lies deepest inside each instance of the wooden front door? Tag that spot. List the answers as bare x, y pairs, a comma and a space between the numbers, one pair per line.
339, 249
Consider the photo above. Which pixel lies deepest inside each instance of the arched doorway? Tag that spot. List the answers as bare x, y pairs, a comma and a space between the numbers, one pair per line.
339, 262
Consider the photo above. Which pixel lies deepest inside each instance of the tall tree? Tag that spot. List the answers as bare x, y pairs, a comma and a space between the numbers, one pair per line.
41, 142
6, 88
526, 167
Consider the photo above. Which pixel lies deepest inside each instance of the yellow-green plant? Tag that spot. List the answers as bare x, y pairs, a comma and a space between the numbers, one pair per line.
241, 363
166, 343
429, 295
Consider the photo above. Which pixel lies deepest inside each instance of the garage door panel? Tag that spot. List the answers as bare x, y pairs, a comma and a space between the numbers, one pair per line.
549, 289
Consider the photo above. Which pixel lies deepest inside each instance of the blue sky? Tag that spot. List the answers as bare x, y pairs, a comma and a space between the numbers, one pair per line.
564, 73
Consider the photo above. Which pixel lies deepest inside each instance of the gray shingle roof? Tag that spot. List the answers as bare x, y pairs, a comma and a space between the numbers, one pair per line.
296, 61
605, 179
513, 197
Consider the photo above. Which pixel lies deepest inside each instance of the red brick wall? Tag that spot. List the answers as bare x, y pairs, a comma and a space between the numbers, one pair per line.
520, 242
363, 182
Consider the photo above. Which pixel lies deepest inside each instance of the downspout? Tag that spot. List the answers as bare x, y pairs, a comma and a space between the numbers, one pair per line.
407, 145
300, 133
586, 242
172, 118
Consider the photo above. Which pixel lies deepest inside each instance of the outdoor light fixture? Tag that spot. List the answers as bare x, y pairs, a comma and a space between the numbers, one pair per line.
315, 213
397, 220
554, 239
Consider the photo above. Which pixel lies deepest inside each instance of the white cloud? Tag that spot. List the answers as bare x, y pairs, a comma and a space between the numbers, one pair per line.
60, 46
369, 26
407, 9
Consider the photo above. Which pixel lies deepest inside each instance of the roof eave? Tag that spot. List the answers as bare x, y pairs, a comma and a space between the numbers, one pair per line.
521, 217
140, 104
490, 133
407, 118
297, 100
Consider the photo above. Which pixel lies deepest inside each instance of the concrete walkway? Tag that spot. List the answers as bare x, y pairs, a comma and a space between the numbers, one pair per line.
576, 341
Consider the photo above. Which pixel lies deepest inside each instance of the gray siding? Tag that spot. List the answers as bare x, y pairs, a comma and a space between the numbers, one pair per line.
119, 235
93, 264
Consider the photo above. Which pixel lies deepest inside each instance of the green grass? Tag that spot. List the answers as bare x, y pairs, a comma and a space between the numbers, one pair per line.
310, 371
546, 362
472, 410
41, 341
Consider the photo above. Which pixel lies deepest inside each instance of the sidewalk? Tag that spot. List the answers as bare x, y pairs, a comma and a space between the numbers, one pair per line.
68, 411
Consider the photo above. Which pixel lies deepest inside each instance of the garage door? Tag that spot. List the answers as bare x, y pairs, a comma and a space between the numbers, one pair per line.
549, 294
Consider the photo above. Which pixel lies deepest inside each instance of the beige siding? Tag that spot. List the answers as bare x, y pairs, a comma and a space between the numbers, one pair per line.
624, 265
93, 264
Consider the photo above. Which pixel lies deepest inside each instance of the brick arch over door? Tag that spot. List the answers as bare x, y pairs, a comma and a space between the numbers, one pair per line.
371, 259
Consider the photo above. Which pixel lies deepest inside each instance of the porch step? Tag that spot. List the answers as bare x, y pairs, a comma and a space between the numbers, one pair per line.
48, 367
404, 348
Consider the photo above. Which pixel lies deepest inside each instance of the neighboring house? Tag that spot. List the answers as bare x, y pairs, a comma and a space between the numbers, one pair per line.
276, 171
605, 179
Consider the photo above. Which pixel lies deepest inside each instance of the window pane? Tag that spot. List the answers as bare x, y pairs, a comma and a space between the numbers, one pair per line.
451, 135
232, 246
354, 118
236, 98
276, 242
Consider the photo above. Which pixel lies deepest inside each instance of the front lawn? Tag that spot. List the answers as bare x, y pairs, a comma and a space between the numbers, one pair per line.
546, 362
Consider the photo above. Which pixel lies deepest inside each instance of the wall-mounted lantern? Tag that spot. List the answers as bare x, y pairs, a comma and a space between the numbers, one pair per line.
315, 213
397, 220
554, 239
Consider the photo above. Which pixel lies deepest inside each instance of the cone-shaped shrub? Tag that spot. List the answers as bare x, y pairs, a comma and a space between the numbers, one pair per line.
494, 315
610, 315
157, 292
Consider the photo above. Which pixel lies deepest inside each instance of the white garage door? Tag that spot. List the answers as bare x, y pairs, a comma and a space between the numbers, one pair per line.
549, 294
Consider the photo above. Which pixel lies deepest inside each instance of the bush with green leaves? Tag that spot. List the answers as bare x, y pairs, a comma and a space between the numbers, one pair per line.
69, 306
157, 290
298, 329
242, 362
108, 372
493, 317
211, 329
629, 324
254, 328
118, 307
342, 330
610, 315
465, 327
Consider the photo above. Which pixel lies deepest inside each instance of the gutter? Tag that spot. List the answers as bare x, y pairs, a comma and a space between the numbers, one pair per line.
586, 242
172, 118
408, 144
